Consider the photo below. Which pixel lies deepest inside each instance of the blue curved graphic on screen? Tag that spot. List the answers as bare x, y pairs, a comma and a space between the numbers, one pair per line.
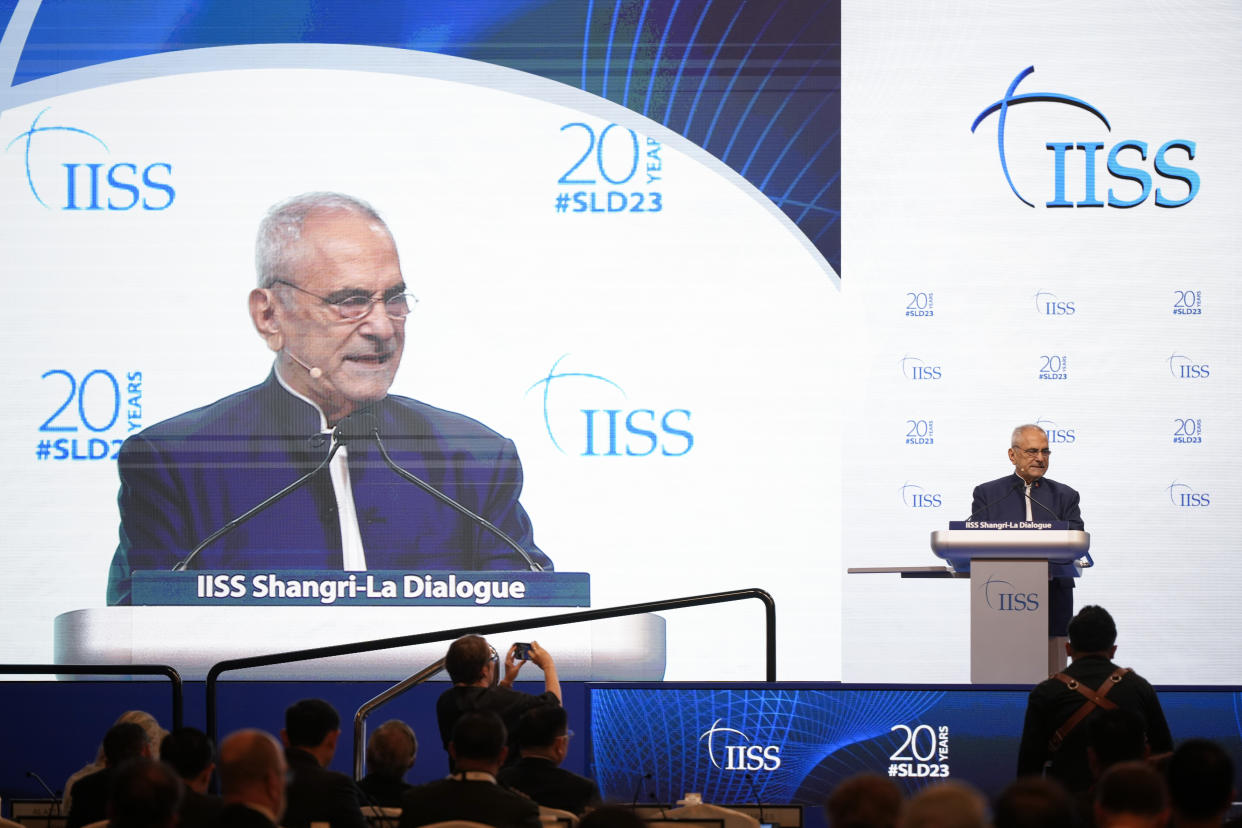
1002, 106
756, 83
35, 129
546, 382
669, 735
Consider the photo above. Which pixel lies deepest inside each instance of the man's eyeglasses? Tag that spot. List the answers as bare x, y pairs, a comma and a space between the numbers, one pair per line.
1035, 452
397, 306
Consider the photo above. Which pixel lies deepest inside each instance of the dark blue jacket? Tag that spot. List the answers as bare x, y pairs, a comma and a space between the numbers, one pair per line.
186, 477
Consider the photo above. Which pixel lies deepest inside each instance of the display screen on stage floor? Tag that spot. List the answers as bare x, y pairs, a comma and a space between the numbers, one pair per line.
740, 294
795, 744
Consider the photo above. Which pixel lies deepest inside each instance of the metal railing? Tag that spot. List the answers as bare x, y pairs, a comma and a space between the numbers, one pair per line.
213, 675
360, 718
178, 696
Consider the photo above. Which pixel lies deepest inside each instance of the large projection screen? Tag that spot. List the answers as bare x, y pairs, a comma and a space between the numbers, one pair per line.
622, 230
758, 290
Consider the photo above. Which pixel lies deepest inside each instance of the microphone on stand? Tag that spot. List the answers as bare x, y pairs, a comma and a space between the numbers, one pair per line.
337, 442
992, 503
51, 795
750, 780
637, 790
363, 424
1027, 495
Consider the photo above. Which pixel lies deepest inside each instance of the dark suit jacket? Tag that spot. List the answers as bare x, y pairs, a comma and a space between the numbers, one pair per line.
1003, 500
551, 786
235, 815
184, 478
239, 816
1051, 703
316, 794
384, 791
198, 810
477, 801
90, 799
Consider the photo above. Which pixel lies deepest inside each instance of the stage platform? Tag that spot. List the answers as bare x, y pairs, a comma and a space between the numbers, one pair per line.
781, 743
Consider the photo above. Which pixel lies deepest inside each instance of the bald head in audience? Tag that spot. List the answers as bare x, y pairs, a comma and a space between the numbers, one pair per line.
252, 772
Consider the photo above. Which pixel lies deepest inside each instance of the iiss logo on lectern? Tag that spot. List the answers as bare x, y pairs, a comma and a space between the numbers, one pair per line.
1001, 597
601, 422
738, 750
71, 168
1126, 160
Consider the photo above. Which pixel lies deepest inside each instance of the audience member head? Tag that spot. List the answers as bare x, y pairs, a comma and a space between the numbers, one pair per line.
1131, 794
1115, 736
190, 753
312, 725
155, 733
1034, 802
1201, 782
865, 800
544, 731
252, 771
125, 741
391, 750
946, 805
144, 794
612, 816
1092, 632
470, 660
478, 742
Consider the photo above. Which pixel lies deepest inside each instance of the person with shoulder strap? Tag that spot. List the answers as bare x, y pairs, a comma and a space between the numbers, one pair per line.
1053, 737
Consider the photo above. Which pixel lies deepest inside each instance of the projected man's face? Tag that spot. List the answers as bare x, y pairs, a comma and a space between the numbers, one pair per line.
341, 364
1030, 454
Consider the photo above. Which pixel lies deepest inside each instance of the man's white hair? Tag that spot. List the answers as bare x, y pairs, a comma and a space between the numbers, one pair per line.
1017, 432
281, 229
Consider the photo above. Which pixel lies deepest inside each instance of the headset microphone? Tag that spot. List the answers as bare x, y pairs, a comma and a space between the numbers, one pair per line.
315, 372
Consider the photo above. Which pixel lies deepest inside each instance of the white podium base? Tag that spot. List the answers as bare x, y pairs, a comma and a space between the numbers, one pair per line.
192, 639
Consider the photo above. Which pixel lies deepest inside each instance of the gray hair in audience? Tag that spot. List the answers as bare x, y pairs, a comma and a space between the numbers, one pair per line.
392, 748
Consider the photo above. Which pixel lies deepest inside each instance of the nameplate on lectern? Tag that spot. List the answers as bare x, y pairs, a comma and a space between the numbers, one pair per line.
375, 588
1008, 524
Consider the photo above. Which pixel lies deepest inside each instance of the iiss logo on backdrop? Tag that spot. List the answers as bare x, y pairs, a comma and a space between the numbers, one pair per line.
1049, 304
1057, 434
915, 496
68, 167
1185, 496
1183, 367
591, 415
1123, 168
919, 370
738, 751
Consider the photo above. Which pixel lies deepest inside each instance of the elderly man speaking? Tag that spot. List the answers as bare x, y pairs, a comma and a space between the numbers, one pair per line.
332, 303
1027, 495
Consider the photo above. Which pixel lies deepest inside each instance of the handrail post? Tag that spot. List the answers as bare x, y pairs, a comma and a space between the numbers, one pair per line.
178, 698
360, 718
